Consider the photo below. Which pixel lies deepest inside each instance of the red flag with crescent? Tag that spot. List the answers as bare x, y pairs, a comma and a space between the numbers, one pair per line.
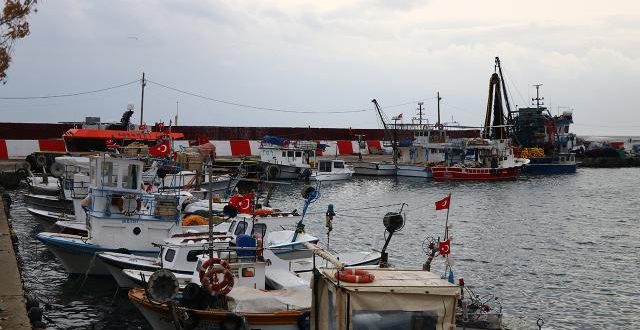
244, 203
162, 149
443, 203
444, 247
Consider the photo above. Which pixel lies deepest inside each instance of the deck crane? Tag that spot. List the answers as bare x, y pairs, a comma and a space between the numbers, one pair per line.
386, 131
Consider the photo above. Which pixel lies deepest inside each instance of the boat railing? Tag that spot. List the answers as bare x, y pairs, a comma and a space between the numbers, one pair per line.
133, 205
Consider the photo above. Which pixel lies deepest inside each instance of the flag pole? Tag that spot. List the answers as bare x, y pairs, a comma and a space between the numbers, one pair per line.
446, 223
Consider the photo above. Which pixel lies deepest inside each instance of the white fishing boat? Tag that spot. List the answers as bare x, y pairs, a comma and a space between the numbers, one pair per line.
332, 170
225, 292
178, 253
284, 159
121, 216
381, 168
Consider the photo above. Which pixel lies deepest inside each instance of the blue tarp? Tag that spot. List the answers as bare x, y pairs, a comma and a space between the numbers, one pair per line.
276, 140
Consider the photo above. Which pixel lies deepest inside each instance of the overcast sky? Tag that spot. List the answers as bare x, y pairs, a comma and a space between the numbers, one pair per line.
327, 56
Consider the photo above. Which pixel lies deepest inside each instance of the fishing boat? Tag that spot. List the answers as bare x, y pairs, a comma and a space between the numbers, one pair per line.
481, 160
96, 136
225, 292
121, 216
178, 253
375, 168
545, 139
284, 159
332, 170
43, 185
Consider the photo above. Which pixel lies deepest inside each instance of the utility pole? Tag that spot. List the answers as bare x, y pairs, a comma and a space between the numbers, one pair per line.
144, 83
439, 98
538, 99
420, 113
176, 121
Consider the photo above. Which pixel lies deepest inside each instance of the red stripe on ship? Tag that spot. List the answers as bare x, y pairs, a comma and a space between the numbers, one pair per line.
240, 148
345, 147
374, 144
3, 150
52, 145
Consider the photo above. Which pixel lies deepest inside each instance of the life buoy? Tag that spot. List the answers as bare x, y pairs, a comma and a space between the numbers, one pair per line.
126, 206
194, 220
353, 275
209, 276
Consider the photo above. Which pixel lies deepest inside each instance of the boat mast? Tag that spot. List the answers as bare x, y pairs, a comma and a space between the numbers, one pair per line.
504, 89
144, 83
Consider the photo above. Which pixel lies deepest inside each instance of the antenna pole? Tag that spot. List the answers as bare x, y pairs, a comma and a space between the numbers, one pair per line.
439, 98
538, 99
144, 83
420, 113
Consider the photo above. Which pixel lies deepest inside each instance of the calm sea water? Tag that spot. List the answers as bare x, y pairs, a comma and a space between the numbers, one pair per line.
564, 248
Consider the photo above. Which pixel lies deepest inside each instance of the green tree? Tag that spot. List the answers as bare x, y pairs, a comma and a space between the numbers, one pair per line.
13, 26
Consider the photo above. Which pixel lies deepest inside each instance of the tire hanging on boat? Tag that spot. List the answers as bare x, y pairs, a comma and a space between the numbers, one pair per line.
232, 321
273, 172
41, 160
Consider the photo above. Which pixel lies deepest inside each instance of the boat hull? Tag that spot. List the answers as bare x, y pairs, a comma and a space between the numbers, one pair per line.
50, 203
475, 174
159, 316
546, 169
78, 256
373, 169
416, 171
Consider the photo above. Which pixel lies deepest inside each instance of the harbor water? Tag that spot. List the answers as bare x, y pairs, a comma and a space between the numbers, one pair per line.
564, 248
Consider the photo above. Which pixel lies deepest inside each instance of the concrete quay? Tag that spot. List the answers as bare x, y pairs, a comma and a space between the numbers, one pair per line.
13, 312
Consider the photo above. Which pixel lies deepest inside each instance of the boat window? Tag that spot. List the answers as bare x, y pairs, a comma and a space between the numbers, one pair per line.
338, 165
259, 230
192, 256
324, 167
130, 179
284, 154
566, 129
290, 154
169, 255
232, 226
394, 319
241, 228
109, 174
298, 154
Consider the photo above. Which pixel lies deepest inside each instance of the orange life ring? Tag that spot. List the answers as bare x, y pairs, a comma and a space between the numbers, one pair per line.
194, 220
209, 276
353, 275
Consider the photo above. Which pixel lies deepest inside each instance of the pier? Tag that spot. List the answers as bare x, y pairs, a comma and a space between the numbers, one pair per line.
13, 313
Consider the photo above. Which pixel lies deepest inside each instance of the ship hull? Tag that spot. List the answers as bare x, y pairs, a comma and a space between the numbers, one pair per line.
475, 174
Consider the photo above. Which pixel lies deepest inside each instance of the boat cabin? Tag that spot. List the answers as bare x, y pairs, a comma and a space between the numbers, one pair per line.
296, 154
327, 166
395, 299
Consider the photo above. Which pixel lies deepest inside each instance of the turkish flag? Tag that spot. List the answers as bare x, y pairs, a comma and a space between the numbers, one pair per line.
244, 203
444, 247
162, 149
443, 203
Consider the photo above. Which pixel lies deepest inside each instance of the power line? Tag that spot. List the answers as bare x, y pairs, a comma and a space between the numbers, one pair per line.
70, 94
249, 106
